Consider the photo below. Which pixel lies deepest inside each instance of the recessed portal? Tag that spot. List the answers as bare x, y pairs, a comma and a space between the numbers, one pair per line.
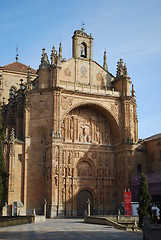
82, 199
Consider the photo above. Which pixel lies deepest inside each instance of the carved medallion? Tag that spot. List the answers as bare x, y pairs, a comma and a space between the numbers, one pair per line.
67, 72
83, 71
66, 102
99, 77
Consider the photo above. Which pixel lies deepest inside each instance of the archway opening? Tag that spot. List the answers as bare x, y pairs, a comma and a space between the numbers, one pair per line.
82, 199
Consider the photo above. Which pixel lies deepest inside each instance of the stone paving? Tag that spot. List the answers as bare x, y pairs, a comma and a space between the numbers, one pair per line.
64, 229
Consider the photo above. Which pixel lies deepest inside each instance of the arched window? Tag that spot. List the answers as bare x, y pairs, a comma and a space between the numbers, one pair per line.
83, 50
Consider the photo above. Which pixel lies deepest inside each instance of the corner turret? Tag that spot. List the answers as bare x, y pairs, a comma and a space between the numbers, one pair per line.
44, 71
122, 82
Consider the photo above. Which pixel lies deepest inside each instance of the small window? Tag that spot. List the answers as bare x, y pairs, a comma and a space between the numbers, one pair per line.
139, 168
83, 50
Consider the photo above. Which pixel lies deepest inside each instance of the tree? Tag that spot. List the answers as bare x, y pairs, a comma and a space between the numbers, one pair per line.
3, 173
144, 200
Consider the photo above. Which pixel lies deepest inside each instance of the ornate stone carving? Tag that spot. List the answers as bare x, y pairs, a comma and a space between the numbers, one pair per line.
100, 172
83, 125
83, 72
66, 102
84, 169
114, 109
99, 77
67, 72
76, 154
94, 155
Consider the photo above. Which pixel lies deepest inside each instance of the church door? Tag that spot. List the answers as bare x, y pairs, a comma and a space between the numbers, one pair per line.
82, 199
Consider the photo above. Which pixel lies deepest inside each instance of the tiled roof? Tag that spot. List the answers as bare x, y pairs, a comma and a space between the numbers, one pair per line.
153, 137
18, 67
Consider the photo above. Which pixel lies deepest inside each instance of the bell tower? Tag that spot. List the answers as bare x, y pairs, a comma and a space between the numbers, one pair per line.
82, 45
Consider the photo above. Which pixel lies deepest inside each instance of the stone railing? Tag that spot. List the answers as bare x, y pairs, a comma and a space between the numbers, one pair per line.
92, 89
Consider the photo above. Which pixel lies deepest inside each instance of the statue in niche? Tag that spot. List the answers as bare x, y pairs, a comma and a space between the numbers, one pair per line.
84, 133
80, 138
97, 135
56, 181
71, 130
88, 138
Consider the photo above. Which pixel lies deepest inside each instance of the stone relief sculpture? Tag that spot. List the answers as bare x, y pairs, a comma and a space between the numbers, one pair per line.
84, 169
66, 102
85, 126
67, 72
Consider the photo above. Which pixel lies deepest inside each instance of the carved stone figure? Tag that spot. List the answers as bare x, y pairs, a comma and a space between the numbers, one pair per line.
84, 169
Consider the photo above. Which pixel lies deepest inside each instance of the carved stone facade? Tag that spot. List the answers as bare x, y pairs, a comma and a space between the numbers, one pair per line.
76, 133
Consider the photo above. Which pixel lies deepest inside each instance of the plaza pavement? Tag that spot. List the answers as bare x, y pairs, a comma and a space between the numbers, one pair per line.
64, 229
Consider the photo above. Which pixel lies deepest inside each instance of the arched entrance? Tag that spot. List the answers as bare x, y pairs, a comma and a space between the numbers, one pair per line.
82, 198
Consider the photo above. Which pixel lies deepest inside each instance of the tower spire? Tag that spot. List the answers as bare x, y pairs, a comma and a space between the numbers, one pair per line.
105, 60
82, 28
60, 52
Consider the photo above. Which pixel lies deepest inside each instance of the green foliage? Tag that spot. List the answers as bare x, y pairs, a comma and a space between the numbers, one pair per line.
3, 173
144, 200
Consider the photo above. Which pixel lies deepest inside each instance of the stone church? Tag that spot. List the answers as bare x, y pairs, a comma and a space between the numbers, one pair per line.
71, 134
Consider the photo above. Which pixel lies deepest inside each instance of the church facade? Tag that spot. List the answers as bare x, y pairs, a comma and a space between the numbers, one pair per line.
71, 135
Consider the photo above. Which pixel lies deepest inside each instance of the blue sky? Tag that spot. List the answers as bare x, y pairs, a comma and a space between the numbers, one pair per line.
126, 29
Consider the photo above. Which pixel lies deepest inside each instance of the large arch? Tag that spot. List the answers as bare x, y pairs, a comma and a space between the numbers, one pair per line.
115, 129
